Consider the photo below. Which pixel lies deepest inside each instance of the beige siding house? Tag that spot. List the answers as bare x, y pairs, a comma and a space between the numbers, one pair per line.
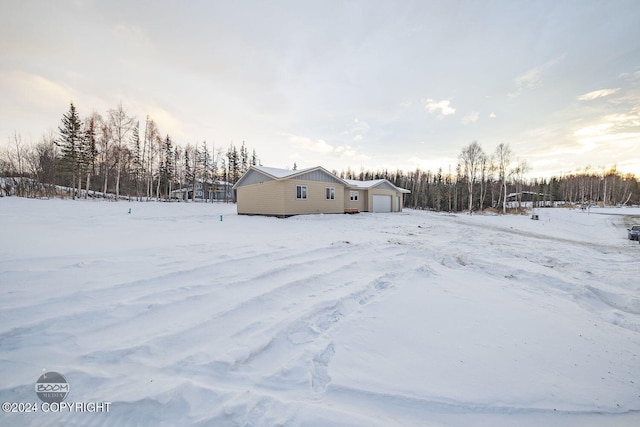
281, 192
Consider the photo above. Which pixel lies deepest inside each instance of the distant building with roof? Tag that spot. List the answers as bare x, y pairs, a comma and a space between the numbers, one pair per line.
209, 190
283, 192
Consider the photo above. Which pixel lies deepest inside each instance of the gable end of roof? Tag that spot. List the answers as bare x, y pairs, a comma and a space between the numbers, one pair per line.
253, 176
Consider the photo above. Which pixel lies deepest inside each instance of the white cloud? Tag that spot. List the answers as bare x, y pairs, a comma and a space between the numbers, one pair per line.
597, 94
304, 143
443, 108
528, 80
631, 76
532, 78
346, 151
631, 118
492, 115
360, 127
357, 130
616, 141
166, 121
472, 117
593, 130
311, 152
36, 89
607, 137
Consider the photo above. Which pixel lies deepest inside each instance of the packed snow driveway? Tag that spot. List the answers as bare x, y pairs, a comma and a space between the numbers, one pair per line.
179, 316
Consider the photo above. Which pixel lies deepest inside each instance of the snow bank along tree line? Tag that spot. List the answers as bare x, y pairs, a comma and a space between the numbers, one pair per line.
112, 156
482, 180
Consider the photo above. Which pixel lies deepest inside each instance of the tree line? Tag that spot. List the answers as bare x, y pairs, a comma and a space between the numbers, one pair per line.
498, 181
111, 156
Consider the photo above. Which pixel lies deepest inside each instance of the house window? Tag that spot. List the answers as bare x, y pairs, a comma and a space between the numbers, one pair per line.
301, 192
353, 196
331, 193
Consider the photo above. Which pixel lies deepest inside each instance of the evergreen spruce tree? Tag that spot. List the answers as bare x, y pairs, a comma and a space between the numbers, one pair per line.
188, 173
69, 143
233, 164
137, 159
244, 159
177, 173
214, 168
167, 167
225, 177
195, 172
205, 170
89, 151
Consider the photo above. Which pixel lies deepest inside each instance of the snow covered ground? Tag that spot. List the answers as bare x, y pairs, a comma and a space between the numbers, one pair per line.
409, 319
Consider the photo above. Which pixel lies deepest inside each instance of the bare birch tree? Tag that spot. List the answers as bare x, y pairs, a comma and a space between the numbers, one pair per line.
503, 159
519, 172
471, 158
121, 125
104, 144
149, 149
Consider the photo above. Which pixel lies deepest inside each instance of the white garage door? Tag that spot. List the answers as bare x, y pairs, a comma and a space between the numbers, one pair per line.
382, 203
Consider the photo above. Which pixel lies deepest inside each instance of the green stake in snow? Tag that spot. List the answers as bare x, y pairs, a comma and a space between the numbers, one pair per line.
220, 217
129, 210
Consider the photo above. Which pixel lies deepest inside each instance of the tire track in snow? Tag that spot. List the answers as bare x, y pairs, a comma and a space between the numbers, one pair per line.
157, 319
289, 287
295, 318
540, 236
161, 289
287, 326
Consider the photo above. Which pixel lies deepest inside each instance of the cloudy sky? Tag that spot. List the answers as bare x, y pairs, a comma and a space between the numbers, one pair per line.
373, 84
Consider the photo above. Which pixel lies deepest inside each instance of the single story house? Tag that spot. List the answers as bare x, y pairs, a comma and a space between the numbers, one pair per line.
282, 192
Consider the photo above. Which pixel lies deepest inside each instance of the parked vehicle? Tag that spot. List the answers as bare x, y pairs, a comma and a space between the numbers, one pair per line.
634, 232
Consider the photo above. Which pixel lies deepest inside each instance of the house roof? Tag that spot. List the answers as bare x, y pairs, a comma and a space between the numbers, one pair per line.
280, 173
373, 183
276, 173
364, 184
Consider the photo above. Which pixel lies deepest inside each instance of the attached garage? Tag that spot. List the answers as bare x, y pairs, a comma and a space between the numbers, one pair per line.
378, 195
381, 203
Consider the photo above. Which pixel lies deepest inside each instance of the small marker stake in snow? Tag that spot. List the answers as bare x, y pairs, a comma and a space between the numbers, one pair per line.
129, 210
220, 217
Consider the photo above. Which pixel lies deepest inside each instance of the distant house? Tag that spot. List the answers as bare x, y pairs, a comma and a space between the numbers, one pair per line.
206, 190
528, 199
282, 192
